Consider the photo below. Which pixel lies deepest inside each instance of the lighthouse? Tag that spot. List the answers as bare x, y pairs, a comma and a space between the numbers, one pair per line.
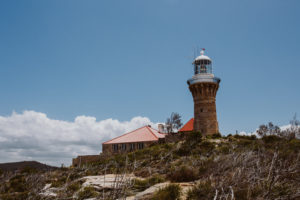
204, 86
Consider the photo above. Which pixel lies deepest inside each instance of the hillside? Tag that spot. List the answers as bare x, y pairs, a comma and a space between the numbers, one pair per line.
233, 167
13, 166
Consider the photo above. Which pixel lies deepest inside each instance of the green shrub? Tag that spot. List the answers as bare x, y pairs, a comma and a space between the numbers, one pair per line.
17, 184
28, 170
141, 185
58, 182
224, 148
183, 174
271, 139
294, 145
190, 143
202, 190
246, 137
206, 147
156, 179
73, 176
14, 196
281, 190
143, 172
241, 194
216, 135
194, 137
244, 142
87, 192
73, 187
170, 192
205, 166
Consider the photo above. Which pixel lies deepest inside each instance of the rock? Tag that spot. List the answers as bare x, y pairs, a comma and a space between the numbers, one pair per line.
109, 181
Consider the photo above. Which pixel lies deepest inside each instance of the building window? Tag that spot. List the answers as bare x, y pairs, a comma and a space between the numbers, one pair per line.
132, 146
123, 147
115, 147
140, 145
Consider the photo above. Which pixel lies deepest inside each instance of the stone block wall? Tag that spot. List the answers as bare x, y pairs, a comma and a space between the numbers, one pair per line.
205, 116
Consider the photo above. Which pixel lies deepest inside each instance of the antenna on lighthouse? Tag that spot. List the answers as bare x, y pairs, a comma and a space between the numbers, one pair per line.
202, 51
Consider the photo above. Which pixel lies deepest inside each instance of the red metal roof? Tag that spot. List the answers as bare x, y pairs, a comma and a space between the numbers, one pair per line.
142, 134
189, 126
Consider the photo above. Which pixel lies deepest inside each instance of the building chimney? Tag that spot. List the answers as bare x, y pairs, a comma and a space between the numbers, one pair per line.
161, 128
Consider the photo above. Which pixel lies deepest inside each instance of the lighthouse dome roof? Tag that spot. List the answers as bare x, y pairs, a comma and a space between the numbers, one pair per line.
202, 56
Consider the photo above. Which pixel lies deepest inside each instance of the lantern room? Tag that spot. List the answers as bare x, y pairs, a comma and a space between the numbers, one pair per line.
202, 64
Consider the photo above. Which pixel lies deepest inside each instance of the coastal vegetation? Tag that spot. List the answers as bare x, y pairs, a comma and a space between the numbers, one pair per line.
214, 167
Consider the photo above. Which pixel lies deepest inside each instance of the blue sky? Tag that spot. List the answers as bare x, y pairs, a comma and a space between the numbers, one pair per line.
121, 59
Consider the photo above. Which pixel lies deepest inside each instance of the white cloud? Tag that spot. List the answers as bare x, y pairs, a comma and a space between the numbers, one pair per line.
33, 136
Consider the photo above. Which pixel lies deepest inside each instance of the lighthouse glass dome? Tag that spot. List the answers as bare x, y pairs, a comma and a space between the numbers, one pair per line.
203, 67
202, 64
203, 70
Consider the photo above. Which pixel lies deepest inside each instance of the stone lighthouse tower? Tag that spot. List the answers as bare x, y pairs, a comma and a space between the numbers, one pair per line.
204, 86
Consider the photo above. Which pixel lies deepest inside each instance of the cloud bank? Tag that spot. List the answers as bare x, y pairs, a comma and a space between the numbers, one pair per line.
33, 136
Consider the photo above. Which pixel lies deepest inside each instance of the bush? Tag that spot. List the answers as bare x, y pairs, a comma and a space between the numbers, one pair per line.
241, 194
224, 148
58, 182
202, 190
294, 145
156, 179
205, 166
183, 174
206, 147
246, 137
171, 192
270, 139
73, 187
190, 143
14, 196
244, 142
29, 170
216, 135
17, 184
194, 137
87, 192
141, 185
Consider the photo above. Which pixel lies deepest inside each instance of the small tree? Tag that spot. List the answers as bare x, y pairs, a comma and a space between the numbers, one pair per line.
173, 123
268, 129
294, 130
295, 126
290, 133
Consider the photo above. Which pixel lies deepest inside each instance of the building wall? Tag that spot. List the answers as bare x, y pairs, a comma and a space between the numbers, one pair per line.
108, 149
83, 160
205, 116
